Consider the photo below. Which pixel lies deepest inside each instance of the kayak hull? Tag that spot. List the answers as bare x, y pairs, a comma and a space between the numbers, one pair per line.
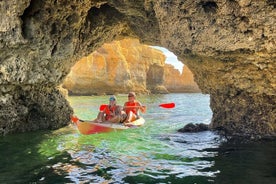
90, 127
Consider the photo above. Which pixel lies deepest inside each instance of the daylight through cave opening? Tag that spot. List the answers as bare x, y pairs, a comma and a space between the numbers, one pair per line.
127, 65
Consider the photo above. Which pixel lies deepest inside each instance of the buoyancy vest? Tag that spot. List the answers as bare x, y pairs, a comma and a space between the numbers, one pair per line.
109, 112
131, 106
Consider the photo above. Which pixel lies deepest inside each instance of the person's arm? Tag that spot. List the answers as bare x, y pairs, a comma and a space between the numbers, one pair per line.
101, 116
142, 108
118, 110
124, 107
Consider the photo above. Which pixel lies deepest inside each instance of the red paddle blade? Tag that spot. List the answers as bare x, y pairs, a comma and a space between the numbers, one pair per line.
102, 107
74, 119
167, 105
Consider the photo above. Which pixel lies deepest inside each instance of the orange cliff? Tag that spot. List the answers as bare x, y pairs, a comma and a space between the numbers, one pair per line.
177, 82
127, 65
118, 67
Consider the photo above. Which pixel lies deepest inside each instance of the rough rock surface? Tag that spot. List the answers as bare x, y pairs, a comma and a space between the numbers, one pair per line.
228, 45
118, 67
194, 128
177, 82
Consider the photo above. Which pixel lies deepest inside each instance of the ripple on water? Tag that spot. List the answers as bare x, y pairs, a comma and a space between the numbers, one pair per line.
163, 156
154, 153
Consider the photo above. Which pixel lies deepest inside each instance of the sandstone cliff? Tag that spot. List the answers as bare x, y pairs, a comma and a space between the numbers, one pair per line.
118, 67
179, 82
113, 69
228, 45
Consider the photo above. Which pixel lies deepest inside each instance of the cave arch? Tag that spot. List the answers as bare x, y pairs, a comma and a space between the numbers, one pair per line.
127, 65
233, 60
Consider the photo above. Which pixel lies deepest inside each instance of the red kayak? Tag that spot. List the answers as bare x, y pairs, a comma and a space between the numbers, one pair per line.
90, 127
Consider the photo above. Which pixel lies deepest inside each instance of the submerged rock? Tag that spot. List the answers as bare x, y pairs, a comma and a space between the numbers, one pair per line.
194, 128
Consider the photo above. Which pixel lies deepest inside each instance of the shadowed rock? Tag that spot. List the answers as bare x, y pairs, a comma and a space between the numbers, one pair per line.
194, 128
228, 45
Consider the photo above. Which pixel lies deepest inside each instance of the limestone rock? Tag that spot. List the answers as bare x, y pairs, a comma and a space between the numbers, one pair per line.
112, 69
180, 82
228, 45
118, 67
194, 128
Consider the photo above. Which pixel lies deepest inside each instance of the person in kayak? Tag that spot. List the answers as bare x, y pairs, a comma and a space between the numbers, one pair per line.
111, 112
132, 107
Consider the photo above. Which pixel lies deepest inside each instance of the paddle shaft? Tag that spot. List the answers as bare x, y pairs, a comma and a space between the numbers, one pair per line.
133, 106
164, 105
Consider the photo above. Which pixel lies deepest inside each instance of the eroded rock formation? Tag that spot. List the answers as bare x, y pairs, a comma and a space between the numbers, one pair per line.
228, 45
179, 82
118, 67
127, 65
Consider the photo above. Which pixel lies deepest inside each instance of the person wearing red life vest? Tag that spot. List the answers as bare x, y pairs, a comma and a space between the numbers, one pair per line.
111, 112
132, 107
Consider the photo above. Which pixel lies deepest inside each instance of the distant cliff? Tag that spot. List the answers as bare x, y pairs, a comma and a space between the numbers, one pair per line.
118, 67
179, 82
113, 68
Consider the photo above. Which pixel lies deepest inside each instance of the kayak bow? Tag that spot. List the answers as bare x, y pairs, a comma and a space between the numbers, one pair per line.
90, 127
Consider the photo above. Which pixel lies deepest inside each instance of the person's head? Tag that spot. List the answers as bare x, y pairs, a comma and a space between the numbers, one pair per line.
112, 100
131, 96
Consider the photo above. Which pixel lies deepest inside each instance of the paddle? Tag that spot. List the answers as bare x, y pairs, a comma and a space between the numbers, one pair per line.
102, 107
167, 105
74, 119
163, 105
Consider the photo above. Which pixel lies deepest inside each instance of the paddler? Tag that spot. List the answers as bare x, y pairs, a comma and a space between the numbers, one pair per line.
111, 113
132, 107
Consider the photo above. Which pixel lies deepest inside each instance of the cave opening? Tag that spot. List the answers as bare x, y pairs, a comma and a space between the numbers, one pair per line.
127, 65
217, 39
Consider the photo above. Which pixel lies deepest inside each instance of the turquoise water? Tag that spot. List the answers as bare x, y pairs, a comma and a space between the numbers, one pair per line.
154, 153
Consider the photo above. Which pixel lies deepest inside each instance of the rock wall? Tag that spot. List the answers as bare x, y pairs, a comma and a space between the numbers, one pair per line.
118, 67
228, 45
177, 82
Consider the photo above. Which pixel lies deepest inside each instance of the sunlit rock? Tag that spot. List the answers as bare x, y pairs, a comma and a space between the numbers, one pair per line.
118, 67
113, 69
180, 82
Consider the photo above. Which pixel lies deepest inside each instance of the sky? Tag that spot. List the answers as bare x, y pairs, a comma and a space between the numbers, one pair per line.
170, 58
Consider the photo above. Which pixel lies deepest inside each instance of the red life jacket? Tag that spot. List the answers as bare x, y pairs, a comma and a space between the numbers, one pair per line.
131, 107
108, 110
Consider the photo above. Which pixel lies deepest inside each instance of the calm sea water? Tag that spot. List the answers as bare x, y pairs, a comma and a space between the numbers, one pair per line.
154, 153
